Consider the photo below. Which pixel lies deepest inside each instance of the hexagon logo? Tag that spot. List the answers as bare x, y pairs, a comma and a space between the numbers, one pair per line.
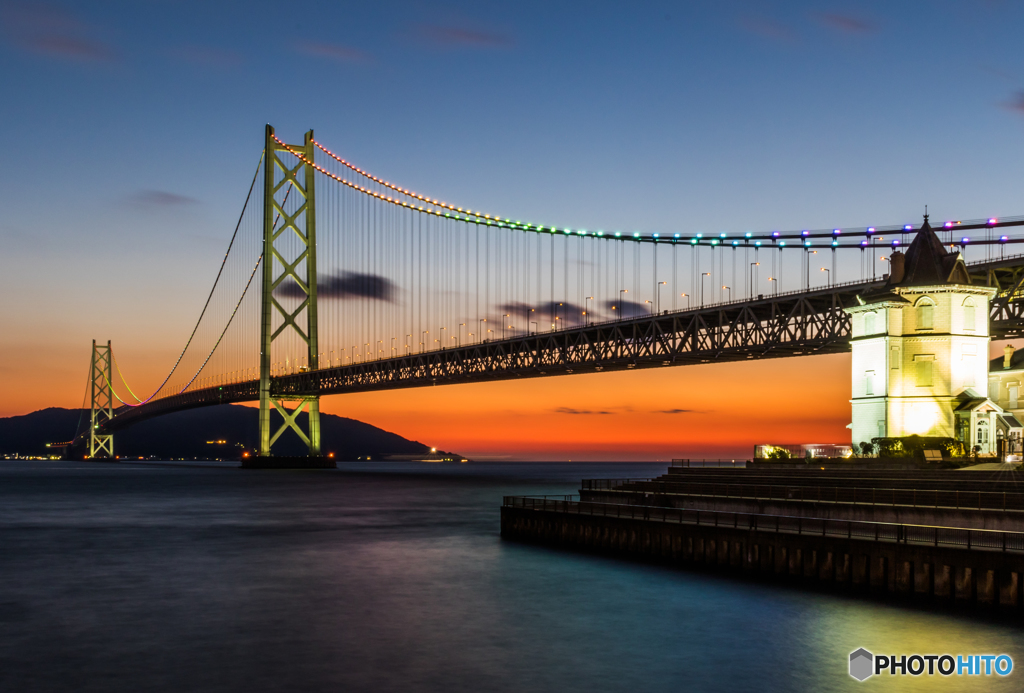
861, 664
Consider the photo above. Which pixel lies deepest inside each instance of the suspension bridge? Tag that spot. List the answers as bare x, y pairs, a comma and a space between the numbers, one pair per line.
337, 281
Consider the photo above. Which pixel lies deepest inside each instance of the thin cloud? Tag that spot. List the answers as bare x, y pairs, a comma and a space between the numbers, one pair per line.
346, 285
580, 412
628, 309
462, 37
847, 23
767, 28
1016, 103
333, 51
53, 32
674, 411
160, 199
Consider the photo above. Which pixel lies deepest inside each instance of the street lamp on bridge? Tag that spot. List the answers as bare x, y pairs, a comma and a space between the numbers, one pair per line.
753, 278
702, 275
621, 291
586, 309
687, 297
828, 276
658, 297
775, 286
729, 289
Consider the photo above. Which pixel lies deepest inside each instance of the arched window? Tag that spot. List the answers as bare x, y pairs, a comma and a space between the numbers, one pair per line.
869, 323
982, 432
969, 313
925, 310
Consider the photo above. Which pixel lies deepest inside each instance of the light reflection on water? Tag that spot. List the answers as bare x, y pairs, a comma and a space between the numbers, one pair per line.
392, 577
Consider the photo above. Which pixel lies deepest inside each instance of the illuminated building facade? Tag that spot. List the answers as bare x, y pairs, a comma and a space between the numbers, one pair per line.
920, 353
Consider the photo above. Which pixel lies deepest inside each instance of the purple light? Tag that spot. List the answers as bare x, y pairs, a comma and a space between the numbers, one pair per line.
1004, 238
775, 234
908, 227
804, 233
837, 230
863, 242
992, 220
895, 243
948, 224
965, 239
871, 229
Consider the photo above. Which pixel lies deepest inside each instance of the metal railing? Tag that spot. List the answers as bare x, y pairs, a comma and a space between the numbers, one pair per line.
738, 464
890, 497
923, 535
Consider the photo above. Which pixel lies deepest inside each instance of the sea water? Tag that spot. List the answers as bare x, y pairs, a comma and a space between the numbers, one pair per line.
393, 577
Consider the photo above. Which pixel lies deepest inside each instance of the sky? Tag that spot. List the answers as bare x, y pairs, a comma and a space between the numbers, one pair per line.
133, 129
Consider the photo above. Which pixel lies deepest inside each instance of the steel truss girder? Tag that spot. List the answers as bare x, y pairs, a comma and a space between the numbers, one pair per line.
812, 322
305, 230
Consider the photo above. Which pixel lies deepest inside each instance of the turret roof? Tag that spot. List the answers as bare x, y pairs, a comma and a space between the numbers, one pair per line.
928, 263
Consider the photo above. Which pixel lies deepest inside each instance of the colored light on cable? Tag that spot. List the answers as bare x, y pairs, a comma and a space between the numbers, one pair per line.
907, 227
1004, 238
837, 231
948, 224
871, 229
775, 234
993, 220
965, 239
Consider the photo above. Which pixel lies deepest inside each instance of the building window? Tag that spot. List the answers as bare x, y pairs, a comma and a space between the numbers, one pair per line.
869, 383
969, 314
1013, 396
881, 428
923, 366
894, 358
925, 310
869, 323
982, 438
969, 370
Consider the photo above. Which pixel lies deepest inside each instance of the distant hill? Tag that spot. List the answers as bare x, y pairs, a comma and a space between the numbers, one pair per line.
189, 434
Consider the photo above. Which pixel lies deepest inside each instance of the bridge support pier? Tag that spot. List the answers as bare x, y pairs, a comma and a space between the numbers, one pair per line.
289, 203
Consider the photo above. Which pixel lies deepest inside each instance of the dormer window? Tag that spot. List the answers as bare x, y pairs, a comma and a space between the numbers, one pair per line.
925, 313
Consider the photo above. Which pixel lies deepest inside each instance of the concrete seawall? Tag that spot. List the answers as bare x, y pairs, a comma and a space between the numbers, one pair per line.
989, 578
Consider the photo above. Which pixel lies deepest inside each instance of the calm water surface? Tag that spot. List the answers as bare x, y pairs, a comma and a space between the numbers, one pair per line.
392, 577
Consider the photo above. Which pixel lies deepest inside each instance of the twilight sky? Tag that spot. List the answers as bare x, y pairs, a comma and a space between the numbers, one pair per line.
133, 129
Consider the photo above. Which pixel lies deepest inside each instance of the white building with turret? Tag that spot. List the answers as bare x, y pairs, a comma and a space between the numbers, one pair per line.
920, 355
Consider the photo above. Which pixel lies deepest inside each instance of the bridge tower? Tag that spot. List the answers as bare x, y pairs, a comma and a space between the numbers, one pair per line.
102, 397
288, 259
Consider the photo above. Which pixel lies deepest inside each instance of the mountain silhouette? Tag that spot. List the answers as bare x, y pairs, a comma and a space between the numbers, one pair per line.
197, 433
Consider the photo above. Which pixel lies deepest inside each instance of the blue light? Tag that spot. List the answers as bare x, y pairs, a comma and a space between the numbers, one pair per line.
721, 235
700, 235
748, 234
782, 243
992, 221
837, 231
965, 239
807, 243
1004, 238
835, 243
735, 242
656, 235
757, 242
775, 234
895, 243
908, 227
863, 242
676, 236
805, 233
871, 229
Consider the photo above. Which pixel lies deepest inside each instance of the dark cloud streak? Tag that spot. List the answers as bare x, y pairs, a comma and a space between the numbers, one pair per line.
346, 285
